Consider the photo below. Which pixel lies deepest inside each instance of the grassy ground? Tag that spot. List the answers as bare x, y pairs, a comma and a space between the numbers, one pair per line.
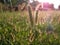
15, 29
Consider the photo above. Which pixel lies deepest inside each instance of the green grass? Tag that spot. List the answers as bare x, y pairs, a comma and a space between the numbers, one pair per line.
15, 30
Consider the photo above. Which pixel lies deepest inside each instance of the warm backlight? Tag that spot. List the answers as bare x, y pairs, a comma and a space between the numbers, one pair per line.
55, 2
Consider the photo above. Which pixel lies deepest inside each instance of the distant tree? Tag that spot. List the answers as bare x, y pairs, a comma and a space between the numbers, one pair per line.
59, 7
1, 1
12, 3
23, 3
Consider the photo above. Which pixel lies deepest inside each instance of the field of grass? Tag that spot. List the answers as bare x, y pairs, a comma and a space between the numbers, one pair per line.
15, 29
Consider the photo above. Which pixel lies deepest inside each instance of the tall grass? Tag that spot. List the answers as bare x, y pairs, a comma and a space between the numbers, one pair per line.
16, 30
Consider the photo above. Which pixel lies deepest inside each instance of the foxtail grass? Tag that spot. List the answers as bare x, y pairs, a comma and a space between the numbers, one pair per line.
36, 18
30, 15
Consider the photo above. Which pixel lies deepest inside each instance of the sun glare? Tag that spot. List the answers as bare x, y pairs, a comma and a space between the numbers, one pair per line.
55, 2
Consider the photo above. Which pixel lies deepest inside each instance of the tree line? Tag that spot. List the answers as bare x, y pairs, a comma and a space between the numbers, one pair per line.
12, 3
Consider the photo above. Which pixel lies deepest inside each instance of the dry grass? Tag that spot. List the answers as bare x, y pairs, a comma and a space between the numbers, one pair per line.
43, 15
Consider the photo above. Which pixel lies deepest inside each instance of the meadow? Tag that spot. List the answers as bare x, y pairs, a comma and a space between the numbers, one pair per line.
15, 29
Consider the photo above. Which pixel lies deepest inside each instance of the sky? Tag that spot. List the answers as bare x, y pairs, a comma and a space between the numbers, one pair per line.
55, 2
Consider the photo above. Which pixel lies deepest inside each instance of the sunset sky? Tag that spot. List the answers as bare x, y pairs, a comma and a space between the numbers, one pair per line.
55, 2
